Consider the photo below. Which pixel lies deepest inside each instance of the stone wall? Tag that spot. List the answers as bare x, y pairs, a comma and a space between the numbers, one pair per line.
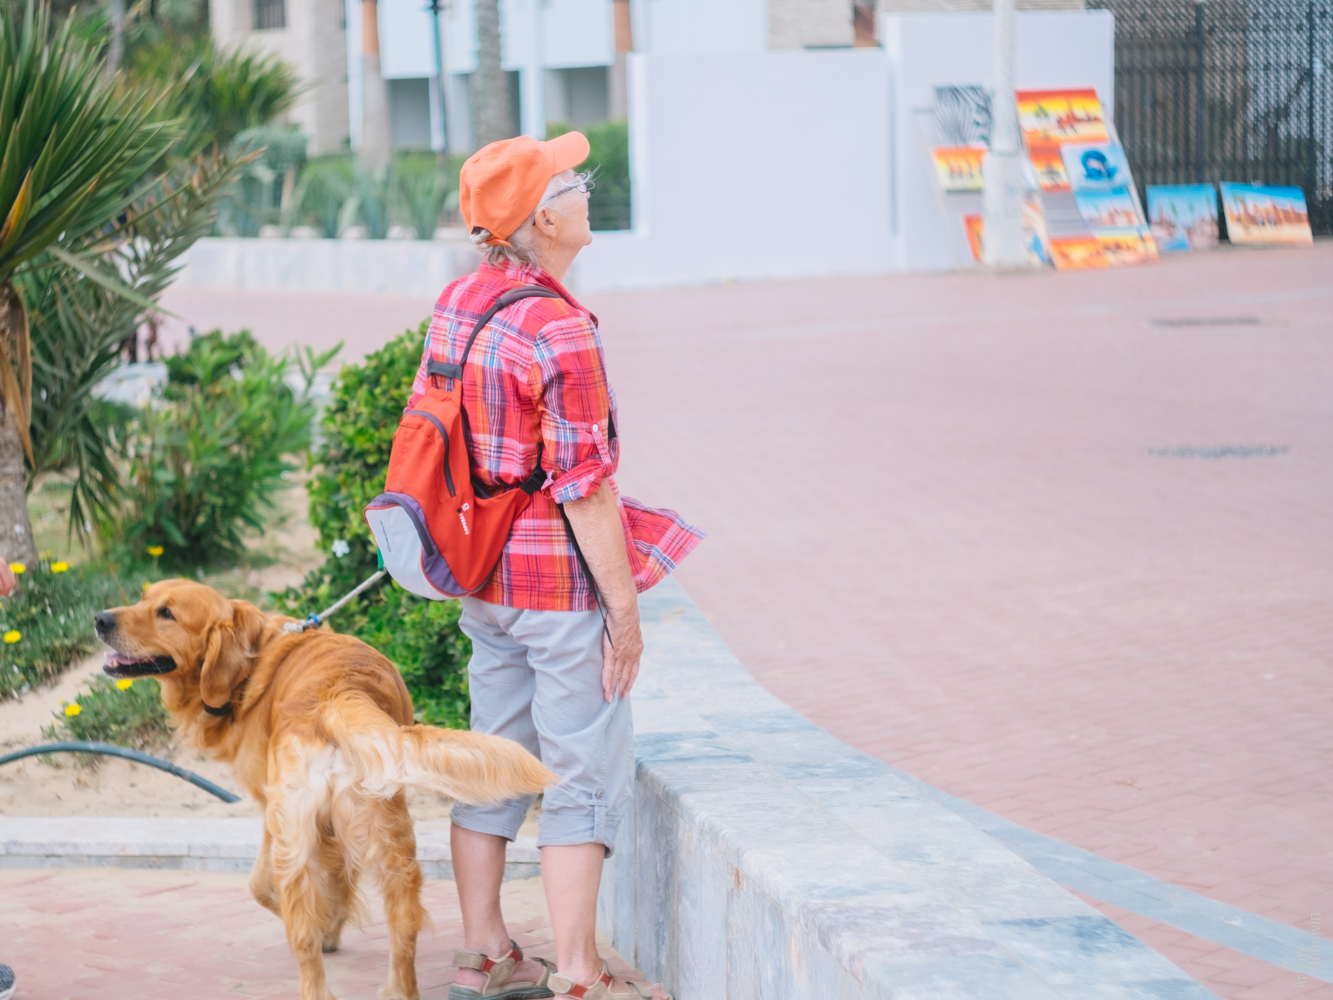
766, 859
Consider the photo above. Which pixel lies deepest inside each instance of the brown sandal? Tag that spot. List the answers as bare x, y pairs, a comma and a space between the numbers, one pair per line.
498, 971
600, 990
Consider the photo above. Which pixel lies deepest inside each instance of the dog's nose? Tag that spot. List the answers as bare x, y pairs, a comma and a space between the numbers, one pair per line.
105, 622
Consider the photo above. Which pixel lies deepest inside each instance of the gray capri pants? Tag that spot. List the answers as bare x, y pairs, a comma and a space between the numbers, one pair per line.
536, 678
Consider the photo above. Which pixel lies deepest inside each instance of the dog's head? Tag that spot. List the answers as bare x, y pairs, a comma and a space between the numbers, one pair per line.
190, 635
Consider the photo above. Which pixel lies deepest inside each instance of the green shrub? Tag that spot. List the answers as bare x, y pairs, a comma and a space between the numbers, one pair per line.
128, 714
421, 637
325, 186
52, 613
608, 160
208, 457
421, 192
215, 94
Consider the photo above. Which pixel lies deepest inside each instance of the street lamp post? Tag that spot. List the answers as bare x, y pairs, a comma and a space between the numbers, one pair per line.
439, 81
1003, 197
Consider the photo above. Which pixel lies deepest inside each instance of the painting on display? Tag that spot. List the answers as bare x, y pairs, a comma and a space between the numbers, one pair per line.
1108, 209
1056, 117
1035, 241
1263, 213
1183, 216
1128, 245
958, 168
1049, 167
1072, 253
1095, 166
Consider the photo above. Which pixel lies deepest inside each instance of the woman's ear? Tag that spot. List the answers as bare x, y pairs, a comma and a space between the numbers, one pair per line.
231, 651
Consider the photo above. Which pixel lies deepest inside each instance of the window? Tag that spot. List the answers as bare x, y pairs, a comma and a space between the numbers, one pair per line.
270, 14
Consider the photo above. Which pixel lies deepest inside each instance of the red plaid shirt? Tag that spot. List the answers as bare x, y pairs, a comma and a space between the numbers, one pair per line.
536, 374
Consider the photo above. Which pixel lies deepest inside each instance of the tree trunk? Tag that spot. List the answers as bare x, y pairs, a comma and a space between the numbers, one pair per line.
116, 51
374, 153
16, 541
490, 84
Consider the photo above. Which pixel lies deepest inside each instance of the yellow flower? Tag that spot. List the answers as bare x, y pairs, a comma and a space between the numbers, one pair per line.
124, 683
155, 550
13, 636
45, 555
59, 567
18, 568
73, 709
146, 585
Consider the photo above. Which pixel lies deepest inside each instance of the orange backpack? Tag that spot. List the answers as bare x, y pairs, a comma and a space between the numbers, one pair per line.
438, 536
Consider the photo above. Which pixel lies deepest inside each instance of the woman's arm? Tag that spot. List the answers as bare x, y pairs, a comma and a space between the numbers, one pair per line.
596, 523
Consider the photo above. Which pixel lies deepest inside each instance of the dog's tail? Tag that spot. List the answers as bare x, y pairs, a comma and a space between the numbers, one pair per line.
383, 757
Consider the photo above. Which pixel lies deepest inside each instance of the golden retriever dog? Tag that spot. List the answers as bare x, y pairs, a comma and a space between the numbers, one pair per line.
318, 728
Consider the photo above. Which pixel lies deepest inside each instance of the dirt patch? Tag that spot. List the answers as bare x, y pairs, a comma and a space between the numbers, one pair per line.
32, 787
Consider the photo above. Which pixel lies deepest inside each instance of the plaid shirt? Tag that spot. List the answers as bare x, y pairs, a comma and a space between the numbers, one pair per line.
536, 374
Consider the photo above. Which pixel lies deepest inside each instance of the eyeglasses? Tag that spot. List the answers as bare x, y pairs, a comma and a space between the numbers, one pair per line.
583, 185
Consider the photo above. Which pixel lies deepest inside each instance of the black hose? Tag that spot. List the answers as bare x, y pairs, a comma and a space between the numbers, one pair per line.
83, 746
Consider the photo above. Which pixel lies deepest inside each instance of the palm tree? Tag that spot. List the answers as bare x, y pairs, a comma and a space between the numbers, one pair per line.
71, 146
494, 116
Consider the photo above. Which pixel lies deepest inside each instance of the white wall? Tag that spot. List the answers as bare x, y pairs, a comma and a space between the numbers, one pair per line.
1051, 49
805, 163
699, 27
753, 166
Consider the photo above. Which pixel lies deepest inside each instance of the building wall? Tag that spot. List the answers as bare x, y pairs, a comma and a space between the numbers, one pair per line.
804, 24
314, 42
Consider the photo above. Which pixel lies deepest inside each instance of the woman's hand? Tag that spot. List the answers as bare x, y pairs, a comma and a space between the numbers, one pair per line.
621, 652
596, 523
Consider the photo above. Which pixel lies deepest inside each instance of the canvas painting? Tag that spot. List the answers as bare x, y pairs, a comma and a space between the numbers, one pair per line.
1131, 245
1072, 253
1049, 167
1055, 117
958, 168
1183, 216
963, 115
1108, 209
1262, 213
1034, 233
1095, 166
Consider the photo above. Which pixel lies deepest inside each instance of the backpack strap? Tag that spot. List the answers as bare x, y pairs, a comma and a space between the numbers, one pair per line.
450, 371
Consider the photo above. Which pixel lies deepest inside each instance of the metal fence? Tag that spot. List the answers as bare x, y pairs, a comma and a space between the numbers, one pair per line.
1227, 90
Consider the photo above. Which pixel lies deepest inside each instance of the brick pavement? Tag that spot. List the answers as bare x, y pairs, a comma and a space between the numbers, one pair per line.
127, 934
939, 531
958, 553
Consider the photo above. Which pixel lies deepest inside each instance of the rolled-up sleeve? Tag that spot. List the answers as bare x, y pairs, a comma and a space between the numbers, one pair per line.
568, 383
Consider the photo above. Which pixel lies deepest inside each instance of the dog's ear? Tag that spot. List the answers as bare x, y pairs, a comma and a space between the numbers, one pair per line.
232, 647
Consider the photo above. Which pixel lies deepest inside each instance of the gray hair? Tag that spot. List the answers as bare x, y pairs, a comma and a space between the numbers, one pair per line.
520, 251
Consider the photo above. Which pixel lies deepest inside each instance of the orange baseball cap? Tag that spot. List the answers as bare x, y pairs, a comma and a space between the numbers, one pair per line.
501, 184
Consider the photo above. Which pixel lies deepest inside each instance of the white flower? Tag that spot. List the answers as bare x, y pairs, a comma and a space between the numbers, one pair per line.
340, 548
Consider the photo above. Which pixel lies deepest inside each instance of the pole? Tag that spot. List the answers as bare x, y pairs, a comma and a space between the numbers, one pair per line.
439, 81
1312, 164
1002, 234
1200, 126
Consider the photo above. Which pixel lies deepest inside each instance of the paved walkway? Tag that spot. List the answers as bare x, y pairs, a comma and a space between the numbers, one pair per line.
1058, 544
126, 934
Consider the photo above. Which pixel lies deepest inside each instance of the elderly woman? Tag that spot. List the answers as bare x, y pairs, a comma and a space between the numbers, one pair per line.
550, 668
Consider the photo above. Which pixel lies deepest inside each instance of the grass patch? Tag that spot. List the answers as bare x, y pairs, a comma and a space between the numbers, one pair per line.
47, 623
126, 713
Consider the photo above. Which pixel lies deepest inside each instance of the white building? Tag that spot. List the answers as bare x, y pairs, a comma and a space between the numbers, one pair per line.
566, 57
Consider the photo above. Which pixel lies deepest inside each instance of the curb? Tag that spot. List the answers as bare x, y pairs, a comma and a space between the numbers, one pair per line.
226, 844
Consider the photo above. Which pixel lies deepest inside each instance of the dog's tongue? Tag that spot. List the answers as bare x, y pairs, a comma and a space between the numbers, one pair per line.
114, 659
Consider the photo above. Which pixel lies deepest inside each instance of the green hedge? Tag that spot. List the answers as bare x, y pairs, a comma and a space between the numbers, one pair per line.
421, 637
